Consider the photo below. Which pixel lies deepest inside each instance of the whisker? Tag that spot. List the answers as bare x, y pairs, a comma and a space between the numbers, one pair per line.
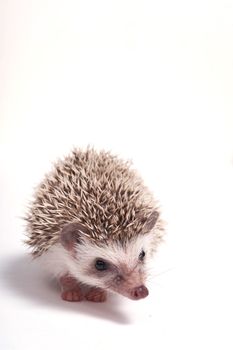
152, 275
163, 272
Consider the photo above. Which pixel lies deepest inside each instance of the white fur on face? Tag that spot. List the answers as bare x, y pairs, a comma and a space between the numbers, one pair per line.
60, 261
114, 252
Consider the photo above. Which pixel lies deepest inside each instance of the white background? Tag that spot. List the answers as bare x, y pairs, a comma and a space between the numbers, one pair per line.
151, 81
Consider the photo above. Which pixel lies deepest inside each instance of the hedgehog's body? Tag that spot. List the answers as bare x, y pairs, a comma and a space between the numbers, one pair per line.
91, 221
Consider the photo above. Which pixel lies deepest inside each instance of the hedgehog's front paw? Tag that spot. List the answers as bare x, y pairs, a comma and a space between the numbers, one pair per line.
72, 295
96, 295
70, 289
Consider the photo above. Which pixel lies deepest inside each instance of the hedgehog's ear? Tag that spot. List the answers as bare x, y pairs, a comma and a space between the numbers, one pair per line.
151, 221
70, 234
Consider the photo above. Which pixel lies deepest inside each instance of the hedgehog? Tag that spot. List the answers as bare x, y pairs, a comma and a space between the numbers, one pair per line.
94, 226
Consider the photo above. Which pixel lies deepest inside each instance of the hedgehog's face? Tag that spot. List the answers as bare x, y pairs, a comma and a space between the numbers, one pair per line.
112, 266
121, 268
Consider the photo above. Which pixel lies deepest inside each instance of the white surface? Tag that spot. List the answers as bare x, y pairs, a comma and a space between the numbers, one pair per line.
149, 80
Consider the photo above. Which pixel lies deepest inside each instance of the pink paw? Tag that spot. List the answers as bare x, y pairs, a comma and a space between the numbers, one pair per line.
72, 295
96, 295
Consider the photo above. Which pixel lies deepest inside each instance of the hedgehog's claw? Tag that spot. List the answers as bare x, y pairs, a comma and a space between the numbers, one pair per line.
72, 295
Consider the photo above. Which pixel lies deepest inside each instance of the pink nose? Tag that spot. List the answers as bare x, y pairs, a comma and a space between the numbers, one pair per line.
139, 292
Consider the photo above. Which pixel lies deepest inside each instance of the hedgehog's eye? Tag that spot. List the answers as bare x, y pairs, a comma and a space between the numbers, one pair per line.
142, 255
101, 265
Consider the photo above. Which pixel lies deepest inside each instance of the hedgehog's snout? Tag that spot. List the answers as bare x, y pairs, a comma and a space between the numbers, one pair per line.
131, 284
139, 292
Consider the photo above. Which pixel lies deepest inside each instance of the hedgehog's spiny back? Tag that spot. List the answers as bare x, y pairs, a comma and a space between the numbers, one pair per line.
95, 189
